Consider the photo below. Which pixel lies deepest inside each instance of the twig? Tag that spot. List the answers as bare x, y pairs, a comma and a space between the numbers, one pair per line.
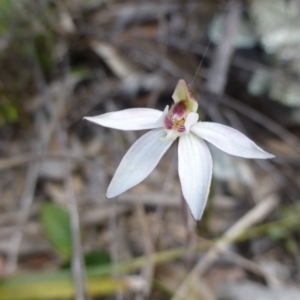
250, 266
217, 75
23, 159
25, 203
114, 249
255, 215
77, 260
148, 248
78, 270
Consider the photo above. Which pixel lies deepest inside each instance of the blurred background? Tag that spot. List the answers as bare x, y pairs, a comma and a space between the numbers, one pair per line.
60, 238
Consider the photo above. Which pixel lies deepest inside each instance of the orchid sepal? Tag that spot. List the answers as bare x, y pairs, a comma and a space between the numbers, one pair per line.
129, 119
229, 140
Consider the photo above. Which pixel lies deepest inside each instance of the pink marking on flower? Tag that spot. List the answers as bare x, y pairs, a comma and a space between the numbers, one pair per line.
177, 125
181, 128
179, 110
168, 122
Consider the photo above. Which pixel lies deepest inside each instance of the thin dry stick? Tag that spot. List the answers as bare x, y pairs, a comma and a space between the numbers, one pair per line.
250, 266
12, 253
25, 204
78, 270
148, 269
23, 159
241, 261
77, 260
113, 227
255, 215
217, 75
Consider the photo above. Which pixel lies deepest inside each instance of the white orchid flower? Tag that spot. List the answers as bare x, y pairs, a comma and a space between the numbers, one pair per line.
194, 158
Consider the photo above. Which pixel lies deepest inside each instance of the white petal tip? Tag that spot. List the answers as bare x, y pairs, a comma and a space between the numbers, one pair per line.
197, 215
111, 194
269, 155
88, 118
261, 154
197, 218
229, 140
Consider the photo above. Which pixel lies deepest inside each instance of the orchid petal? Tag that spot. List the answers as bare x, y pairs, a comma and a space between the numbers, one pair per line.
183, 93
229, 140
129, 119
191, 120
139, 161
195, 171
